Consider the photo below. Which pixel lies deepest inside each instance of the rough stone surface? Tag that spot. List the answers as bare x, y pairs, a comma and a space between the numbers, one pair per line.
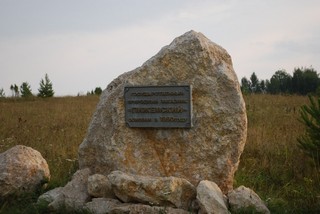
22, 170
112, 206
210, 198
101, 205
74, 194
243, 197
50, 196
99, 186
146, 209
210, 150
155, 191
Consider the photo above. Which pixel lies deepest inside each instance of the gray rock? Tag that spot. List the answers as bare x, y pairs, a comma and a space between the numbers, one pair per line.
210, 150
101, 205
99, 186
112, 206
210, 198
50, 196
22, 170
245, 198
74, 195
155, 191
145, 209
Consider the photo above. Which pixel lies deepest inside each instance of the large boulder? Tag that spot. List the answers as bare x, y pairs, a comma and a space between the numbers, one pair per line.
209, 150
22, 170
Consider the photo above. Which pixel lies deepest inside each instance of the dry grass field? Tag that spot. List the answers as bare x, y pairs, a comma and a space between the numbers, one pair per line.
55, 127
271, 163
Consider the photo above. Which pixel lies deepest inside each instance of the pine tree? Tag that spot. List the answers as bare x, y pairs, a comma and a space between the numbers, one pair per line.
12, 89
97, 91
45, 89
245, 85
310, 117
2, 94
255, 87
25, 90
16, 90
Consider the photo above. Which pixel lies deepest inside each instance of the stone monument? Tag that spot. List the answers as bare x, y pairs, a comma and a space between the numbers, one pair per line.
180, 114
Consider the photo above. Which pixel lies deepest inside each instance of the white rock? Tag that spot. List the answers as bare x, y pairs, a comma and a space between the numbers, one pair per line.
155, 191
210, 198
243, 197
22, 170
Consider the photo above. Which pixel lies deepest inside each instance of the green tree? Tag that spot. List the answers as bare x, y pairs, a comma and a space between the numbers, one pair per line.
318, 91
268, 86
12, 89
45, 89
263, 86
298, 81
2, 94
245, 85
15, 90
255, 85
310, 117
25, 90
311, 80
280, 82
97, 91
305, 80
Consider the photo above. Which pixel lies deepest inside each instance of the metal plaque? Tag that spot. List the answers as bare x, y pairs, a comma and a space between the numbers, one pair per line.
158, 106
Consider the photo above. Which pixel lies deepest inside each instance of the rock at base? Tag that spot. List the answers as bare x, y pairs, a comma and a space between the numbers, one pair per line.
101, 205
211, 199
74, 194
155, 191
112, 206
22, 170
245, 198
50, 196
99, 186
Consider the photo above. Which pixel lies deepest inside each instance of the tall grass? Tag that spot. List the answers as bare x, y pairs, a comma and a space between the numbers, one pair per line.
54, 126
271, 163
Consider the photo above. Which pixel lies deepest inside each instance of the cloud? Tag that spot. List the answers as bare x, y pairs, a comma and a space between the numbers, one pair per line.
86, 45
78, 61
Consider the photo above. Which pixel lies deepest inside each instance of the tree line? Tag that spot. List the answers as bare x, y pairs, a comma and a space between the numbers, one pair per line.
45, 89
303, 81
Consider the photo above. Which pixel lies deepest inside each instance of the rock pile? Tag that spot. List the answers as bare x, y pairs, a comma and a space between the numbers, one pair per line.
165, 170
127, 193
22, 170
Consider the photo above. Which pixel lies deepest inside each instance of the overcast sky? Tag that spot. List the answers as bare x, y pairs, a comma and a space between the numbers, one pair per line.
84, 44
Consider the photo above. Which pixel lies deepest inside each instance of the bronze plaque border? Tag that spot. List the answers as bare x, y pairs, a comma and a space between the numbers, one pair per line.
158, 106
